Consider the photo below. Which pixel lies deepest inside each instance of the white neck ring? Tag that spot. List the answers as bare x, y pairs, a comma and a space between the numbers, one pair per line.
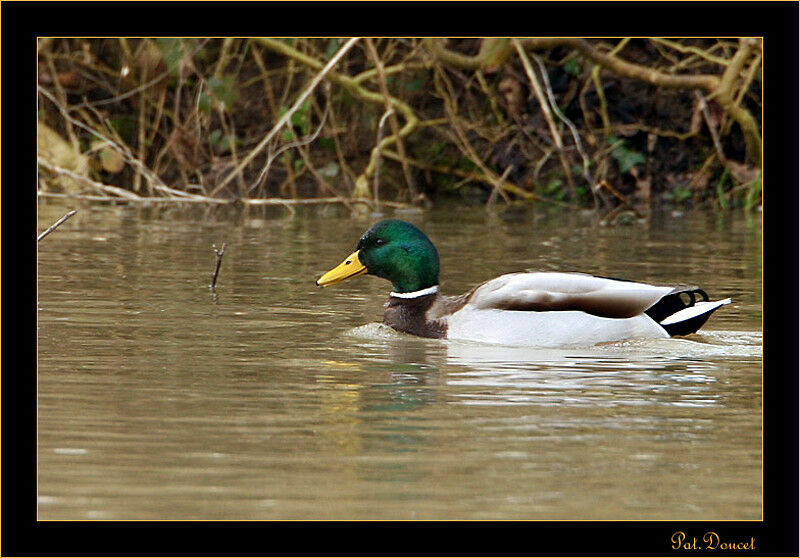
415, 294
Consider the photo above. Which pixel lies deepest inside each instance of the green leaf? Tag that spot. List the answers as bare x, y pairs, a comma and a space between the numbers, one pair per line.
553, 186
204, 103
126, 127
415, 84
753, 193
172, 52
572, 67
224, 89
721, 189
624, 156
327, 143
332, 47
300, 118
678, 194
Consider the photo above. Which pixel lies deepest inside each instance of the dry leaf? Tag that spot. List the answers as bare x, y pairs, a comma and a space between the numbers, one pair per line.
59, 152
741, 172
699, 180
514, 96
111, 160
643, 189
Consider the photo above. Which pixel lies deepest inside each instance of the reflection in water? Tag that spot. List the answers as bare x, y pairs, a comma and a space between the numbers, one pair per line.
639, 372
273, 399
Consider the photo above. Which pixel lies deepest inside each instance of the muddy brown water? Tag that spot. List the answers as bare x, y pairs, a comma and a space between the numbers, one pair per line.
273, 399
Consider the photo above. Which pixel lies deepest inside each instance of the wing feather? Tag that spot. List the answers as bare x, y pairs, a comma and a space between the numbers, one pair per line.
554, 291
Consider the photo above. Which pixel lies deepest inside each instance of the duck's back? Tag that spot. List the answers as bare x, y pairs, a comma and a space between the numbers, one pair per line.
557, 309
554, 291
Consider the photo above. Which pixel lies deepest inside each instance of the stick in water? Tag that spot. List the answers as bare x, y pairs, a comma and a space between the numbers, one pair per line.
219, 254
57, 224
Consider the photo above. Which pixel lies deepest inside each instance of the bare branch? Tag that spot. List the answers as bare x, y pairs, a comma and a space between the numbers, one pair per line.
57, 224
286, 117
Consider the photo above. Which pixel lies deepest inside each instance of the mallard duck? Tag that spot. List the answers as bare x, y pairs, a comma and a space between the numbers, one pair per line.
533, 309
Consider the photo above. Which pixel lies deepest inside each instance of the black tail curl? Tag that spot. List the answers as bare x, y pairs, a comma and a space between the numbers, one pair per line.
675, 302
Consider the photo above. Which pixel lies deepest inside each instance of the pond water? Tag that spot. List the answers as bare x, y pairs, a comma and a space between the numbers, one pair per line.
273, 399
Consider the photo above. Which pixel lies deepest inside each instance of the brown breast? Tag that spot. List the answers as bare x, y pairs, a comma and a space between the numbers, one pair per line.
412, 315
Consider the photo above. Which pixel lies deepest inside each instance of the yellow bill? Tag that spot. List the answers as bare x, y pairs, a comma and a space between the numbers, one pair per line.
350, 267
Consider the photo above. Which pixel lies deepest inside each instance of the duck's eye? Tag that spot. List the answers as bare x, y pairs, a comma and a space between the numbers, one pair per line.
380, 242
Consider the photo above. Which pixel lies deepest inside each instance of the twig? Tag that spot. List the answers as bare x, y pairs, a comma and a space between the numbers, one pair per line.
459, 138
494, 52
297, 143
477, 177
376, 177
223, 56
548, 116
612, 214
137, 177
105, 188
315, 201
492, 102
598, 86
353, 87
273, 106
401, 150
711, 128
575, 136
315, 173
73, 139
120, 148
497, 188
230, 132
219, 253
57, 224
222, 201
140, 88
620, 197
705, 55
718, 87
286, 117
334, 133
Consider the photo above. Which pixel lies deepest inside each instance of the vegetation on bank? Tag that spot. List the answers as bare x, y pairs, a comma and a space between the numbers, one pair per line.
615, 125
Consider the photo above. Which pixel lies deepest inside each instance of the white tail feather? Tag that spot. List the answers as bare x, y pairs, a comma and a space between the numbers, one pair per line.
698, 309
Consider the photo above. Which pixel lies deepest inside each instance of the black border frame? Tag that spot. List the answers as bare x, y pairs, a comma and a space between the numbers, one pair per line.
22, 535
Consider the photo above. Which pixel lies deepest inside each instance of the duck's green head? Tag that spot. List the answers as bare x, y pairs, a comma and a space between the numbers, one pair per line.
395, 250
